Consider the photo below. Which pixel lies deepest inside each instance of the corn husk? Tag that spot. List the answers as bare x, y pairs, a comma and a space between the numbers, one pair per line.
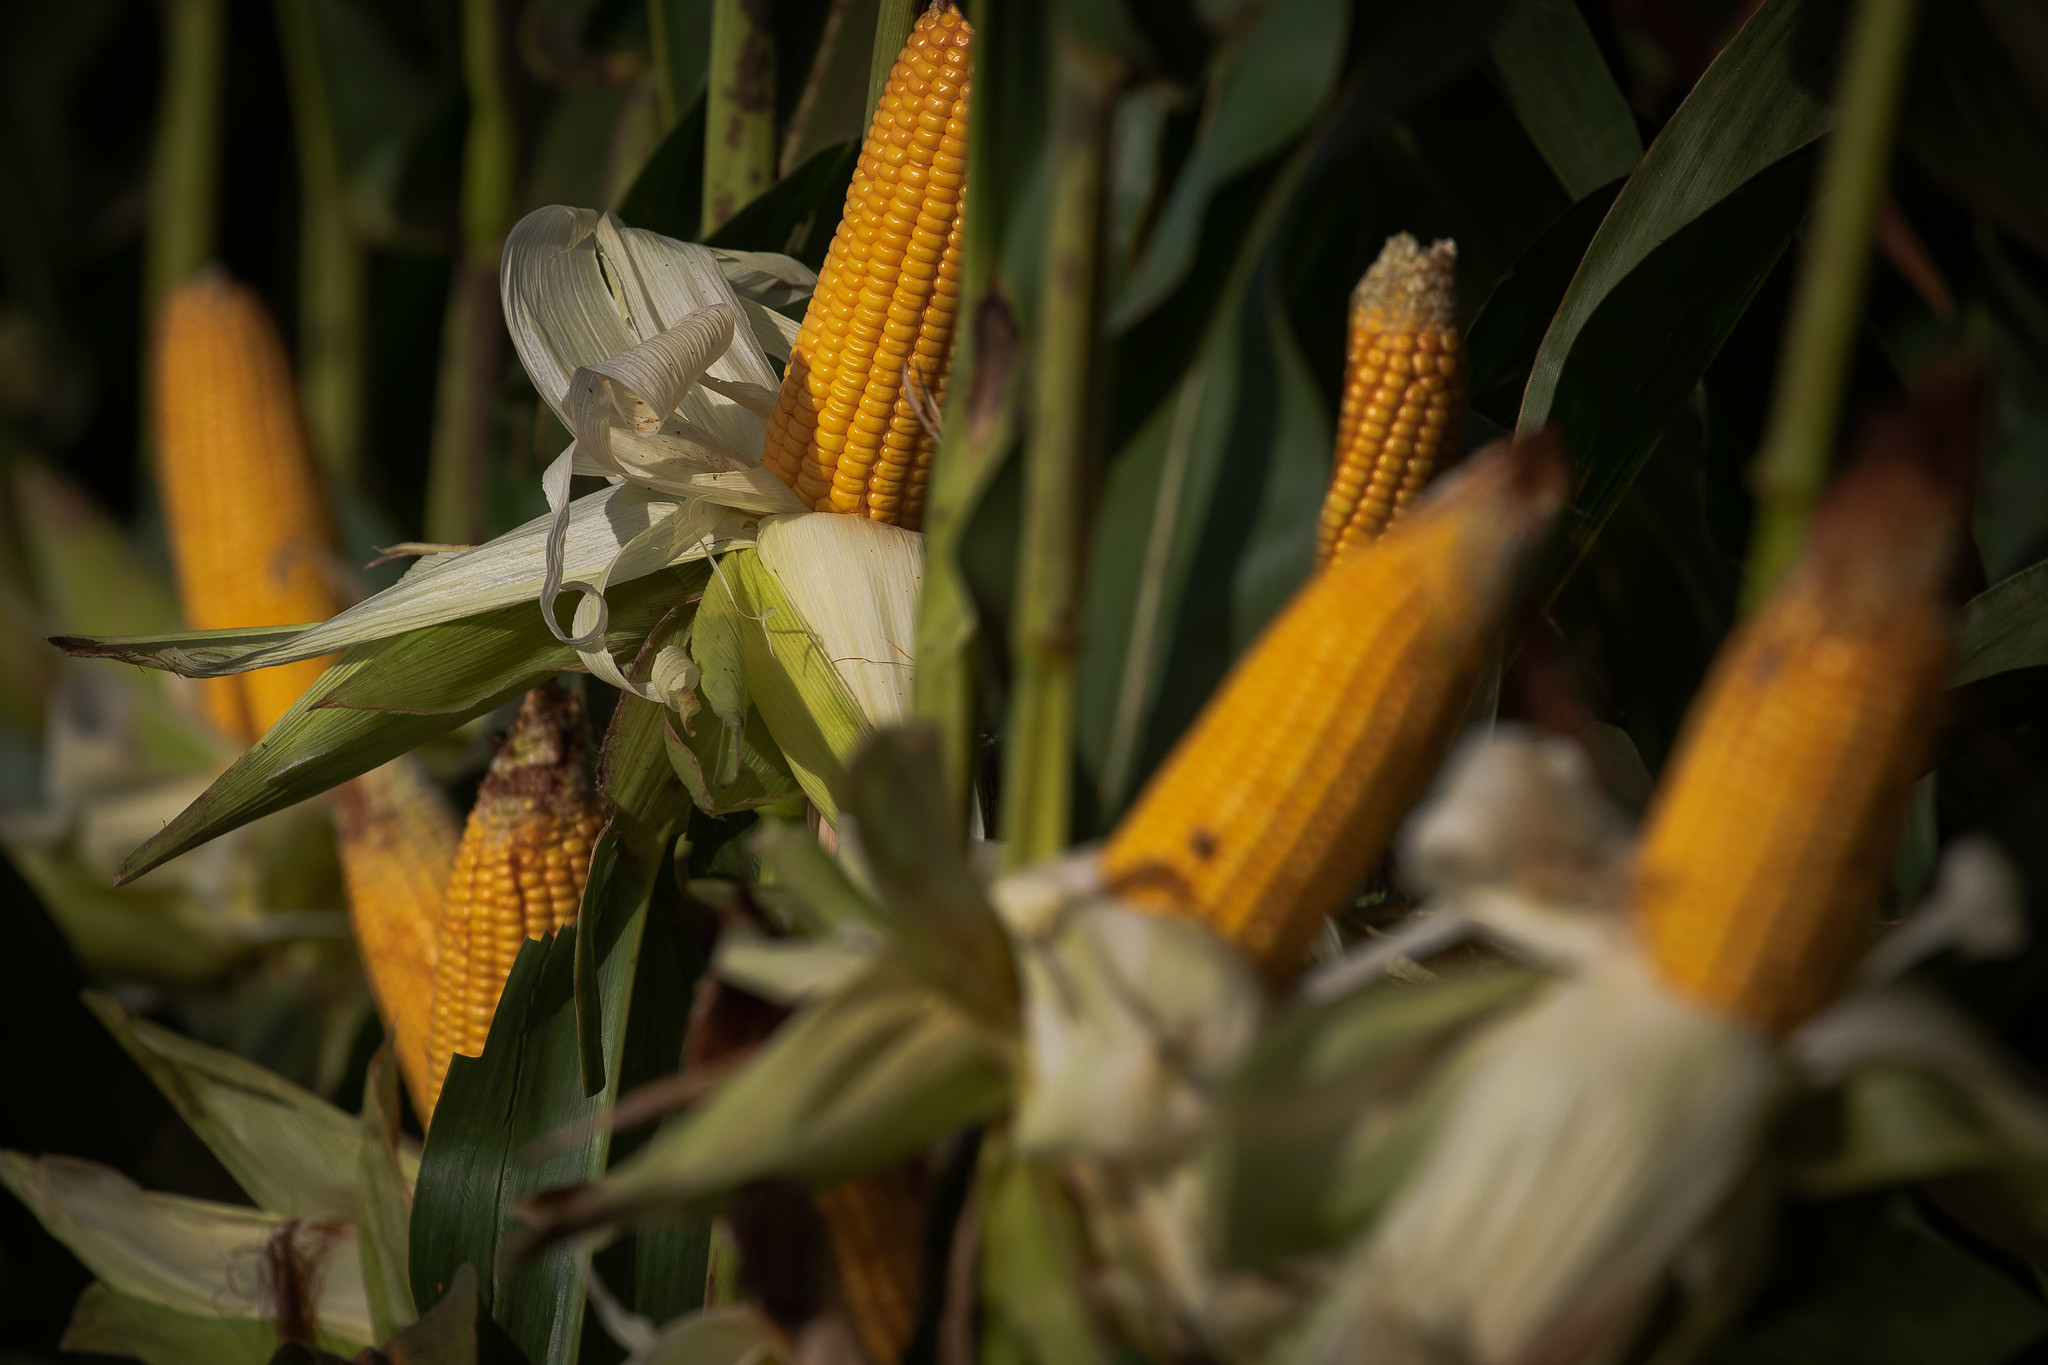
187, 1254
855, 582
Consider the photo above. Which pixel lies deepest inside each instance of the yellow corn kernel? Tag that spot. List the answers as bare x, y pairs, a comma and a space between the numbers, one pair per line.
876, 341
1402, 417
1275, 803
398, 834
243, 503
876, 1225
1760, 863
518, 873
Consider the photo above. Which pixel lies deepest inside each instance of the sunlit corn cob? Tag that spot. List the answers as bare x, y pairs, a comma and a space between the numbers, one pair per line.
1758, 872
518, 872
1402, 417
398, 836
1278, 799
876, 342
243, 503
876, 1223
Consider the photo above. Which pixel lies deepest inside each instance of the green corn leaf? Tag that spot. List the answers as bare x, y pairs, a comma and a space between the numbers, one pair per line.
1032, 1261
443, 675
1560, 88
2004, 627
1683, 250
291, 1151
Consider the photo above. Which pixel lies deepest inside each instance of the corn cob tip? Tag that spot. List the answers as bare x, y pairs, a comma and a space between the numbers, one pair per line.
1757, 878
1409, 287
1402, 414
548, 739
1275, 803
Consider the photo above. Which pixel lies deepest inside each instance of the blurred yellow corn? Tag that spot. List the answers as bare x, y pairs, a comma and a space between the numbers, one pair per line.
243, 504
876, 1226
1402, 417
1278, 799
398, 835
1759, 868
872, 356
518, 873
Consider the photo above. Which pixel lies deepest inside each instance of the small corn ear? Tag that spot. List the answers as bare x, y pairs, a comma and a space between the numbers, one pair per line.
1402, 417
1757, 876
876, 1226
1277, 800
243, 503
518, 872
851, 428
398, 835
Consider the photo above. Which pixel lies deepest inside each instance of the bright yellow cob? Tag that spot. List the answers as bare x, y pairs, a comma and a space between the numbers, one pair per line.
877, 338
1276, 802
876, 1225
518, 873
243, 503
398, 836
1402, 416
1757, 877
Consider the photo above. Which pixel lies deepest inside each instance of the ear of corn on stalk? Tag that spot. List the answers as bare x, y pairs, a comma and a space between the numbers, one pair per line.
519, 870
1402, 417
876, 1226
1275, 803
243, 503
398, 835
852, 427
1758, 872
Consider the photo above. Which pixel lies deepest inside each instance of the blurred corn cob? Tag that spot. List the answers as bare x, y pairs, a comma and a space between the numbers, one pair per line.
868, 370
1278, 799
243, 503
518, 873
1759, 868
876, 1226
398, 836
1402, 417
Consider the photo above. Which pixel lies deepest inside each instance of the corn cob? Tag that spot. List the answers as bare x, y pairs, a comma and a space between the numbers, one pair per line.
243, 503
876, 341
1757, 875
1402, 416
398, 836
1276, 802
518, 873
876, 1225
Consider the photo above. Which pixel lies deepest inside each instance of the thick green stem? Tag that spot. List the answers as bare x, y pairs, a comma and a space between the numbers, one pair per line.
184, 178
473, 336
330, 260
979, 421
1039, 758
739, 122
1792, 468
893, 22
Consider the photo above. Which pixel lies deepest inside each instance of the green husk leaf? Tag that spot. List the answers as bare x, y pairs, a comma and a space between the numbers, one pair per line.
728, 768
1032, 1258
1559, 86
789, 677
790, 971
1331, 1111
2004, 627
294, 1153
811, 890
737, 1335
184, 1254
864, 1078
934, 910
383, 1211
445, 675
